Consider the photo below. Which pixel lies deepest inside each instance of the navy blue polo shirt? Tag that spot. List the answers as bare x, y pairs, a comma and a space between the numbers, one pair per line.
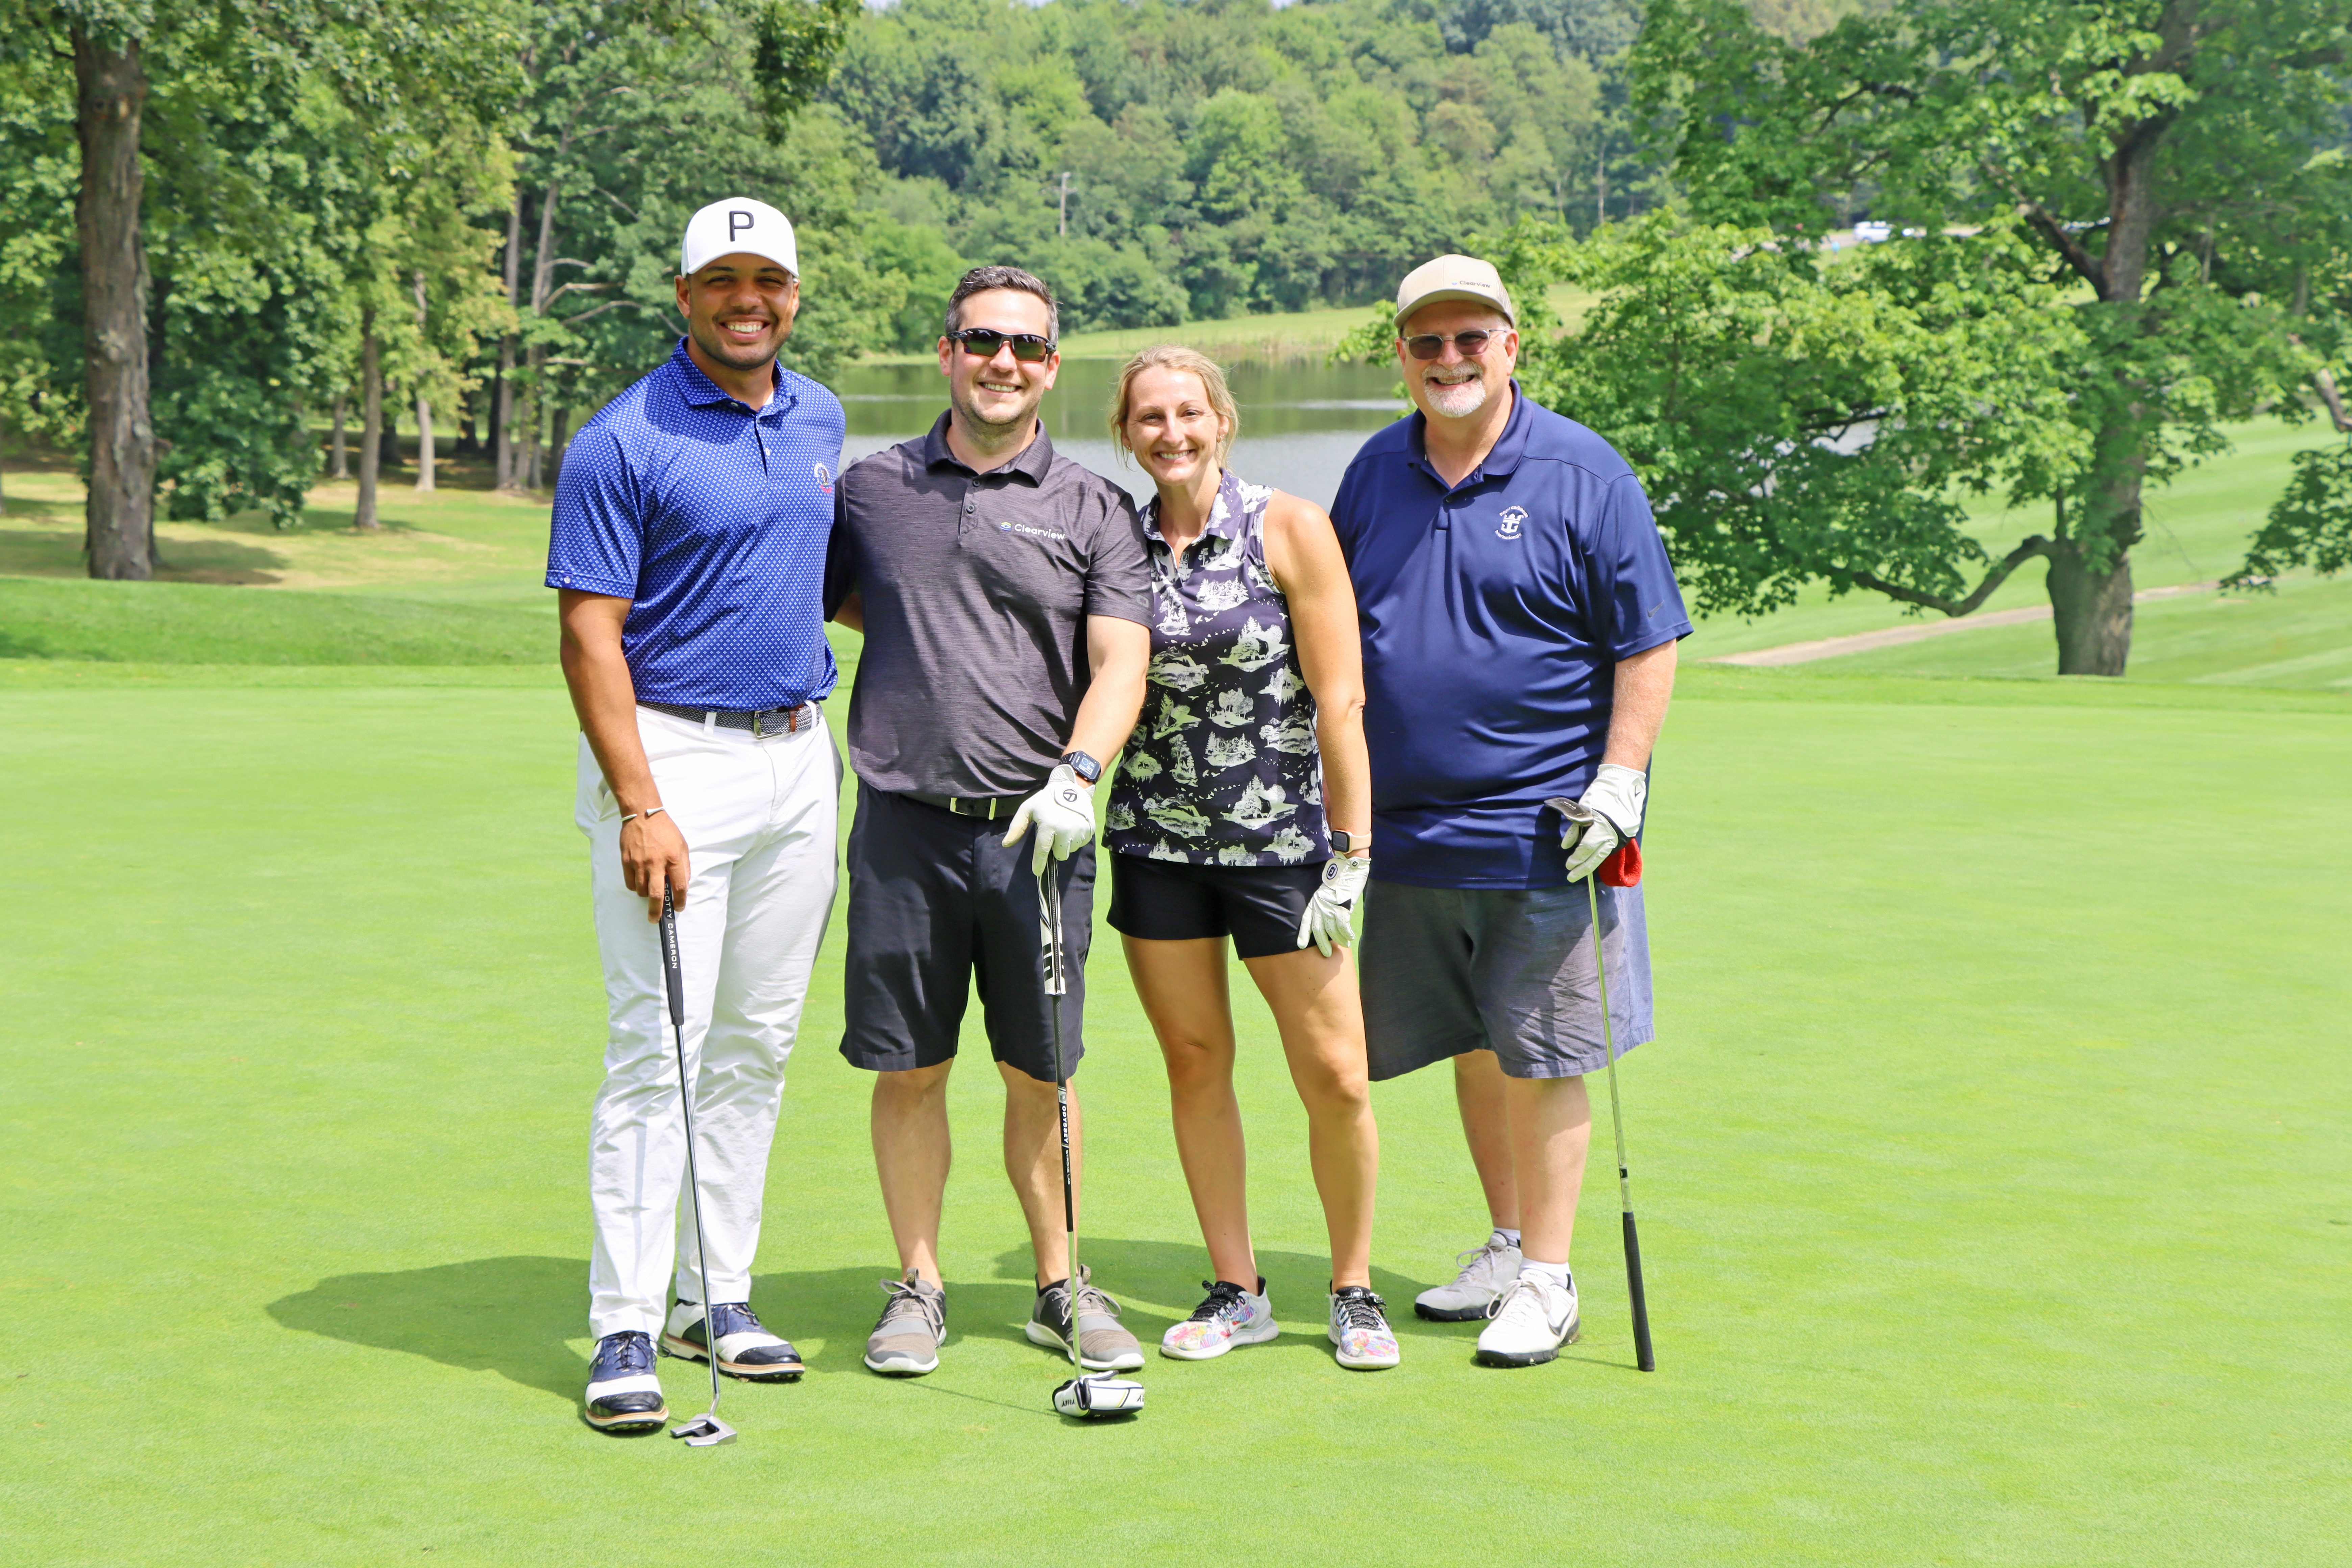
713, 519
1493, 614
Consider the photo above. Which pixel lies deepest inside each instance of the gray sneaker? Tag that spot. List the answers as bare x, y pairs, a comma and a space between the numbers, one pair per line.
1104, 1343
906, 1339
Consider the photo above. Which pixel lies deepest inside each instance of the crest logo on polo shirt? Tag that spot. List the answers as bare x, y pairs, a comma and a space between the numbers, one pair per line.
823, 479
1512, 518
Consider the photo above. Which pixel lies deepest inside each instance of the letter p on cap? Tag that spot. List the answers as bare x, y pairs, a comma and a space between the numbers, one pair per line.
737, 226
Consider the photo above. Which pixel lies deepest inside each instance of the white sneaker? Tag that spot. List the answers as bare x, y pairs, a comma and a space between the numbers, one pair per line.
1487, 1272
1360, 1330
1231, 1316
1533, 1318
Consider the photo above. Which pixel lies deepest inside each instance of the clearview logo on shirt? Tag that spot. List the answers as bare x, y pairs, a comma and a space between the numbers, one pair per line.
1512, 518
823, 479
1031, 533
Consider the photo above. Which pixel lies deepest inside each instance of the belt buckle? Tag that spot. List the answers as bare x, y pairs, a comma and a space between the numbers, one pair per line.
757, 734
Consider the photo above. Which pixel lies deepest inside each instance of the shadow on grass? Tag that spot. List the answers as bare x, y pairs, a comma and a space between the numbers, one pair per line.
520, 1317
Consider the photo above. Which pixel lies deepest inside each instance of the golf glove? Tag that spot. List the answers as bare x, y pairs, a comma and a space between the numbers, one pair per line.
1616, 797
1064, 815
1331, 914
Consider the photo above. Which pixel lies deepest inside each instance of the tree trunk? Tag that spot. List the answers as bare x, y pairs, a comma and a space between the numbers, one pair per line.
342, 461
557, 445
2092, 611
503, 462
535, 411
4, 454
112, 98
423, 404
388, 439
469, 434
370, 419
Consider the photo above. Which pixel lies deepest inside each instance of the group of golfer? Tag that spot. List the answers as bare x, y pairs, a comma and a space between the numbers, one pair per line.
1301, 704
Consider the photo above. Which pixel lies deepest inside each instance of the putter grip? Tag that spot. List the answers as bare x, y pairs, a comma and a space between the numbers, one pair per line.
673, 981
1643, 1355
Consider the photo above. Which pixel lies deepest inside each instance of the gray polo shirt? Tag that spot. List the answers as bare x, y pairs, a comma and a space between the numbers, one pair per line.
976, 590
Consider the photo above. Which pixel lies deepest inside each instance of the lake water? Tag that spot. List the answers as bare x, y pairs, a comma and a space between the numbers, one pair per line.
1300, 423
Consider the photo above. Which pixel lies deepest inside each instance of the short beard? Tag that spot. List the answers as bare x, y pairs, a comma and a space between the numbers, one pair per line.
728, 351
1457, 402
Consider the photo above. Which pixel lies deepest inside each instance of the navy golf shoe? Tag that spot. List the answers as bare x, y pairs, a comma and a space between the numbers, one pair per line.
624, 1394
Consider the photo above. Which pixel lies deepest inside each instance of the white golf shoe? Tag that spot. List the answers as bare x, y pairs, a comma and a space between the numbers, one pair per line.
1533, 1318
1360, 1335
1231, 1315
1487, 1272
746, 1348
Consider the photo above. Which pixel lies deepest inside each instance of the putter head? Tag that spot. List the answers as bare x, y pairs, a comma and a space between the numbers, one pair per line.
704, 1431
1098, 1395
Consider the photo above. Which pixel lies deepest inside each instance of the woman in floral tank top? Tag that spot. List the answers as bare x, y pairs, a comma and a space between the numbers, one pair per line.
1245, 773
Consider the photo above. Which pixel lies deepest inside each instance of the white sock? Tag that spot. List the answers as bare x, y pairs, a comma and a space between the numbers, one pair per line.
1552, 1274
1508, 1237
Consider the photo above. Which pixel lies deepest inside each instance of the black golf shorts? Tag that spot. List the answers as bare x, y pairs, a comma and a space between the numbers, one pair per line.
937, 903
1175, 900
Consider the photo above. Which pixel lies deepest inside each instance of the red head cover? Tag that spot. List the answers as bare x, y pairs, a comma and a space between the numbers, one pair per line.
1622, 868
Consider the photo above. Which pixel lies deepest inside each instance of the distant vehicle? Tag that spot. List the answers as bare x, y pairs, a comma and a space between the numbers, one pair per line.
1870, 231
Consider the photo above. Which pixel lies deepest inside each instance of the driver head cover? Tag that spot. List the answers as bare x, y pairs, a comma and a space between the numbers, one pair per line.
1086, 1397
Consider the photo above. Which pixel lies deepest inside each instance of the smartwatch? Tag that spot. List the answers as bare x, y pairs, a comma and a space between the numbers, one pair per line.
1344, 842
1084, 766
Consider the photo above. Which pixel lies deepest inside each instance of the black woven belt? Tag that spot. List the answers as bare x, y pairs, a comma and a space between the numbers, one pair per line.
767, 721
988, 808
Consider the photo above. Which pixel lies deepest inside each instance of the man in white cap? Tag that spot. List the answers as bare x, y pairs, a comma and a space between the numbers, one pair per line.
687, 550
1520, 618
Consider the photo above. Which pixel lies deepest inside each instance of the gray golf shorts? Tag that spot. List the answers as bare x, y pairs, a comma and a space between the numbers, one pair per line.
939, 905
1450, 970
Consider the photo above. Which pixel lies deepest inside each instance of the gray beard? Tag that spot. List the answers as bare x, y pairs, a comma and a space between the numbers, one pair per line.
1458, 402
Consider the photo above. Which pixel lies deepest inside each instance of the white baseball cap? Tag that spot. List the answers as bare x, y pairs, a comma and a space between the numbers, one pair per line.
1454, 277
738, 223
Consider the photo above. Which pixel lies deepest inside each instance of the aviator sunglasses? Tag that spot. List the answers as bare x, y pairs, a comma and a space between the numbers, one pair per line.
981, 343
1429, 346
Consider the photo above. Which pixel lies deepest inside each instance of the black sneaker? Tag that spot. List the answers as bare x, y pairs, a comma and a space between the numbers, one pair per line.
624, 1394
745, 1349
1104, 1343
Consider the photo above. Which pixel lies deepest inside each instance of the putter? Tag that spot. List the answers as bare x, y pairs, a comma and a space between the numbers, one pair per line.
706, 1430
1088, 1395
1585, 817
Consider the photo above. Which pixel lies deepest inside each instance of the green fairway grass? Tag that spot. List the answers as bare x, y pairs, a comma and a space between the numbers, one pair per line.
1990, 1162
176, 623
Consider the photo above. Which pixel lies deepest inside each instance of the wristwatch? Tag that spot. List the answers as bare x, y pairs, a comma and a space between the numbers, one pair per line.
1084, 766
1345, 843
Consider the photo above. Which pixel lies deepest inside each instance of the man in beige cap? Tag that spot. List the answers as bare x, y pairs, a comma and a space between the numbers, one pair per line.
1519, 620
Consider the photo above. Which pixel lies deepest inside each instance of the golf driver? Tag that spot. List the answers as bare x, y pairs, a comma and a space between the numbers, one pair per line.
1624, 869
706, 1430
1088, 1395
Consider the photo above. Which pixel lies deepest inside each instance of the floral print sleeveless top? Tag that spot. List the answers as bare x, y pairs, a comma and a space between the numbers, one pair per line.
1222, 769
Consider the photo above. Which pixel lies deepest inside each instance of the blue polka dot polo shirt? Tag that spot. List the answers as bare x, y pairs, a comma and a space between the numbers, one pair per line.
712, 519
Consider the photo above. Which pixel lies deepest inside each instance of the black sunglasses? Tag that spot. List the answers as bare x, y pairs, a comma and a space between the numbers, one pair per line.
981, 343
1429, 346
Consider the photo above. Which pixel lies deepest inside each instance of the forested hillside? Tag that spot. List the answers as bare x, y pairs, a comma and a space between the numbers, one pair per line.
462, 214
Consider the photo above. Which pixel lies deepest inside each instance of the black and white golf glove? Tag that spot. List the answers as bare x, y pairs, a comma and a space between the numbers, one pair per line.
1615, 800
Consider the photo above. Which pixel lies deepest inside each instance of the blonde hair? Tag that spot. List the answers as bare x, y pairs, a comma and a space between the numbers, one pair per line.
1176, 357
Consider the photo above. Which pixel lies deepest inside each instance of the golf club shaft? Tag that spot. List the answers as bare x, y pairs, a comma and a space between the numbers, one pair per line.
1049, 893
674, 980
1643, 1356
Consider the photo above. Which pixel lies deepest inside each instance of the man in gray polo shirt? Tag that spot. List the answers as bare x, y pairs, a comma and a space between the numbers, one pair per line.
1005, 602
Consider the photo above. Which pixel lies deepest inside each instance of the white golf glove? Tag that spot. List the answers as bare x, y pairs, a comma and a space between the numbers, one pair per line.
1331, 912
1064, 812
1616, 797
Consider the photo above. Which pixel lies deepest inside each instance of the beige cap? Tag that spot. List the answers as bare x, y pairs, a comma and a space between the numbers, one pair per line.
1454, 277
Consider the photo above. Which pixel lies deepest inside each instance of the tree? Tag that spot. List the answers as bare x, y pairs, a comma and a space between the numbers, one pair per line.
2167, 169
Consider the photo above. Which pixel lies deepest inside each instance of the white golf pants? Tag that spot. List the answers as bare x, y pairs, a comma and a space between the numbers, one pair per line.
758, 815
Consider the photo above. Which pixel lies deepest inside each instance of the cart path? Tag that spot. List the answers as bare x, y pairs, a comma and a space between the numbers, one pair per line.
1894, 636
